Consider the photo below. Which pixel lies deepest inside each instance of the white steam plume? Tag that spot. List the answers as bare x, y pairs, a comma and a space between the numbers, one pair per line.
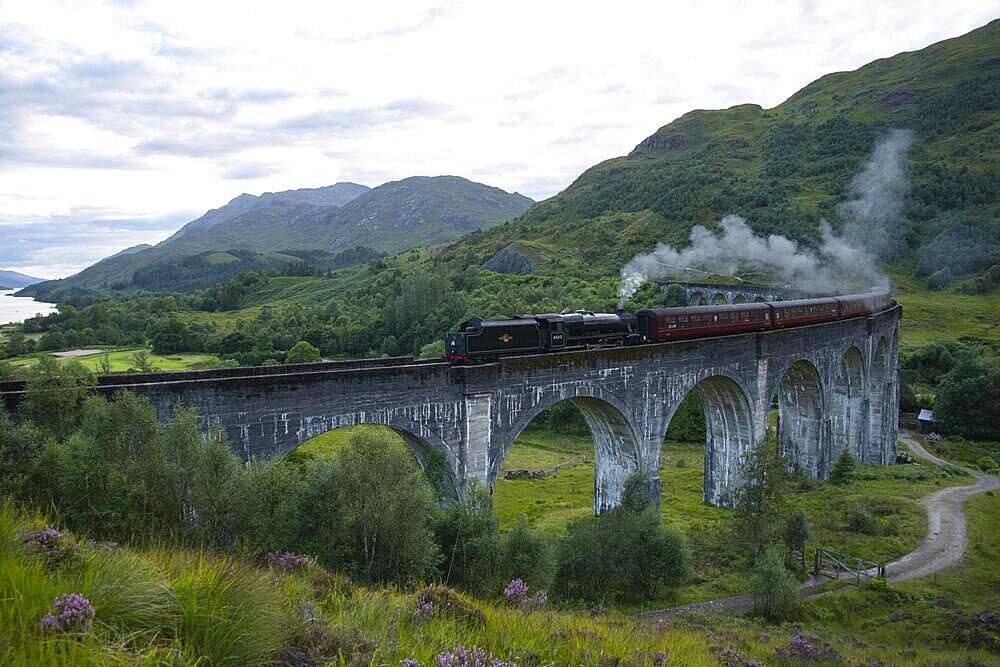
875, 199
842, 262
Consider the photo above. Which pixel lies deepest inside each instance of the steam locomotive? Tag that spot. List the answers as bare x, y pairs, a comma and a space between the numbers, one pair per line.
479, 340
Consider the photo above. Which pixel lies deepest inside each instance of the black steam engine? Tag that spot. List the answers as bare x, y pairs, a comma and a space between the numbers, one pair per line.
479, 340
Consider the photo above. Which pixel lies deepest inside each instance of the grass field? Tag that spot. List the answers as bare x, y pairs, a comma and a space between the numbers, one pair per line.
965, 452
930, 315
174, 606
948, 610
889, 493
122, 360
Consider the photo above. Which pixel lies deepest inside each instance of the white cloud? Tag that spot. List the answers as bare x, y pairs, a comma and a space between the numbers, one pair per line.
140, 109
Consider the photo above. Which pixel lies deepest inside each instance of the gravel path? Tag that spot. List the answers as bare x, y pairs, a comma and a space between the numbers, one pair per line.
69, 354
945, 543
943, 547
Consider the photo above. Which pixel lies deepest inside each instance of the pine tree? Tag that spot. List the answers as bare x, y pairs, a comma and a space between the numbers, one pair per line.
843, 469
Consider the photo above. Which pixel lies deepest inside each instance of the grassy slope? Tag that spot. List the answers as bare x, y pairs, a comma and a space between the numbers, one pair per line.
930, 315
170, 606
121, 360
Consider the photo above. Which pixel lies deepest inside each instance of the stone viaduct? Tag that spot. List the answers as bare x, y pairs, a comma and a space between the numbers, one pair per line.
835, 385
703, 294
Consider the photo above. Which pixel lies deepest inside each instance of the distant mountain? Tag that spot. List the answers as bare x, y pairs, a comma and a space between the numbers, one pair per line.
282, 228
331, 195
15, 280
420, 210
131, 250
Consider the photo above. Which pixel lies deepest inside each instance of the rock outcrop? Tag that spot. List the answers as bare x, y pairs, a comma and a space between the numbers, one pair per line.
509, 260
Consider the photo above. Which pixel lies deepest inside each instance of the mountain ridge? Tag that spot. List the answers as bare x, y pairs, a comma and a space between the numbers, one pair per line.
276, 227
337, 194
17, 280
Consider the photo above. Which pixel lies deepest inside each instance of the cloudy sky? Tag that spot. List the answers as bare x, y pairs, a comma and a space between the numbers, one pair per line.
119, 121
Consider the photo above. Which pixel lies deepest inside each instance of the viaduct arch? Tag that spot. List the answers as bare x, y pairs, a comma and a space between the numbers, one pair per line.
835, 383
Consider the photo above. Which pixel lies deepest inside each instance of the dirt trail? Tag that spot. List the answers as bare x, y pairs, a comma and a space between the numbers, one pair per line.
943, 547
945, 543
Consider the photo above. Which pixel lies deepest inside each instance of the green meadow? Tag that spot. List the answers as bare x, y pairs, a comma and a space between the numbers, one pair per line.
121, 360
889, 494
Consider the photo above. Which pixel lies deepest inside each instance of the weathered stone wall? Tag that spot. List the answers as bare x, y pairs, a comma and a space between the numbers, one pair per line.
836, 386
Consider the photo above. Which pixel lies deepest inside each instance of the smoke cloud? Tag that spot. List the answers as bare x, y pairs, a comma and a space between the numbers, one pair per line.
875, 198
842, 262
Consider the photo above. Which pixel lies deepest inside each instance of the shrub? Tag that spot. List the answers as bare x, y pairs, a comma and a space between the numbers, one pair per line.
625, 554
797, 531
808, 648
55, 547
55, 393
516, 593
112, 478
988, 464
470, 657
526, 554
468, 537
688, 422
967, 396
285, 562
267, 510
760, 501
447, 602
303, 352
861, 520
843, 469
24, 470
775, 590
72, 613
386, 509
433, 350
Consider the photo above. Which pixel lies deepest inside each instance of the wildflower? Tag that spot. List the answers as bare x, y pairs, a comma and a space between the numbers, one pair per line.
659, 658
470, 657
807, 648
285, 561
46, 538
50, 543
536, 601
72, 612
425, 610
409, 662
516, 591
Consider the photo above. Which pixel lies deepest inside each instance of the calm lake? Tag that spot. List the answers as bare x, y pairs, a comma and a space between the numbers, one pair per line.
18, 309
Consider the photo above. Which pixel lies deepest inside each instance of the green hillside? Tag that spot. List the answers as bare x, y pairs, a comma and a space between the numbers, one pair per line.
786, 168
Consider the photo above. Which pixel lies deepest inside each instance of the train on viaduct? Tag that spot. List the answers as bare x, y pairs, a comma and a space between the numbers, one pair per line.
835, 384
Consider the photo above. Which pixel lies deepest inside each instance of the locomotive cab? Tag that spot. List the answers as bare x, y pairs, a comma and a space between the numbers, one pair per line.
479, 339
